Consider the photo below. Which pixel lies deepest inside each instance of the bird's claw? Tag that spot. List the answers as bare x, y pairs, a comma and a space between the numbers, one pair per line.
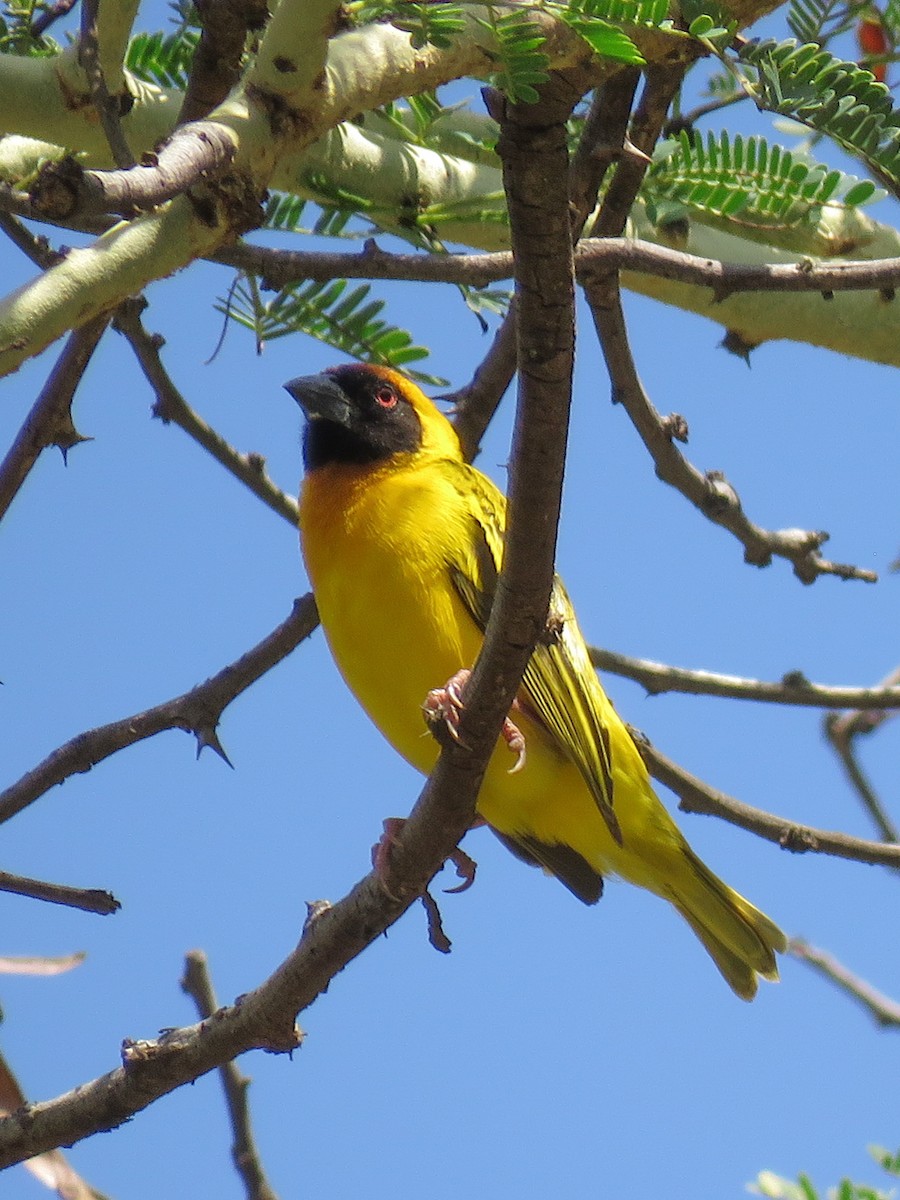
446, 704
381, 855
515, 740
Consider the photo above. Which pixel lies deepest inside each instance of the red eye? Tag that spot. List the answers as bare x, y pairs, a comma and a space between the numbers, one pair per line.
386, 396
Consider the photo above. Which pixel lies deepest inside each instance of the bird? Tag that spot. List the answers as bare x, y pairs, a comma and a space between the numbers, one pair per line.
402, 541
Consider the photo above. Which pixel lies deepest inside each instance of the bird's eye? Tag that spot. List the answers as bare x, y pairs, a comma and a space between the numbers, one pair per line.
386, 396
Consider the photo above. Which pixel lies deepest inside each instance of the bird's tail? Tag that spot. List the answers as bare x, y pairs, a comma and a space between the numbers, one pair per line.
741, 940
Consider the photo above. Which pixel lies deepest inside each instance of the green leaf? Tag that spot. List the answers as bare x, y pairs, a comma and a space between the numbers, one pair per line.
521, 63
606, 40
160, 58
431, 24
766, 185
836, 98
347, 321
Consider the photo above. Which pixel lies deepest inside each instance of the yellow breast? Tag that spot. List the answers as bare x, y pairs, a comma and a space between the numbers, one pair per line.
395, 625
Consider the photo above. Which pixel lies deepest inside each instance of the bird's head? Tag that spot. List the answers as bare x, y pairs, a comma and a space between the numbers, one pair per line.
360, 414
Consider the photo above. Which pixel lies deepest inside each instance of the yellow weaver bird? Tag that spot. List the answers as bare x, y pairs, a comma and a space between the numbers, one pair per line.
403, 542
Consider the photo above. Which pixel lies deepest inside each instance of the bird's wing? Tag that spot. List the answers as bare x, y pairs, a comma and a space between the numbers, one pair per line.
559, 687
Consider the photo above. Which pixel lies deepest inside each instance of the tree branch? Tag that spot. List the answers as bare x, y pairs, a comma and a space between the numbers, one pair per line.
49, 423
698, 797
197, 984
475, 403
171, 406
593, 257
661, 84
52, 13
884, 1010
794, 688
216, 65
197, 711
87, 899
711, 493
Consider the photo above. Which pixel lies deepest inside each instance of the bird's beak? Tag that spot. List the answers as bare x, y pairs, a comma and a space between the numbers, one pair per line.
320, 398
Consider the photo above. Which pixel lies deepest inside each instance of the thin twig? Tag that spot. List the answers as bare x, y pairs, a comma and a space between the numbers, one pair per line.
476, 402
842, 732
197, 711
884, 1010
107, 106
711, 493
661, 84
695, 796
794, 688
171, 406
49, 423
197, 984
689, 119
87, 899
38, 249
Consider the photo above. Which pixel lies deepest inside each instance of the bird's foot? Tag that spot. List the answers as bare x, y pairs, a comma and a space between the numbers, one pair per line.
381, 855
446, 704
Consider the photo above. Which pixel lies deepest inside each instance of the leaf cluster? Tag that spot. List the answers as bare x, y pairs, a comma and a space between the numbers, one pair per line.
840, 99
346, 320
762, 183
775, 1187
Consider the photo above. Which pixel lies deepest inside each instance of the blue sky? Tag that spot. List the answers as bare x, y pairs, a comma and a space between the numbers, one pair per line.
558, 1049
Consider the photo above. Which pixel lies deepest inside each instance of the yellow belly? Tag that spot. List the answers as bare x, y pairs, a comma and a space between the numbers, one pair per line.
397, 628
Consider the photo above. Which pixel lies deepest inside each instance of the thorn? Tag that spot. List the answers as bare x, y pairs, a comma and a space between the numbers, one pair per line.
630, 150
209, 738
66, 439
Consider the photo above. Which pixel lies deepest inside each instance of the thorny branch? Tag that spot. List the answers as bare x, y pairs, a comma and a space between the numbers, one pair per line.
711, 493
197, 711
661, 84
476, 402
279, 268
593, 256
794, 688
695, 796
49, 423
170, 405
